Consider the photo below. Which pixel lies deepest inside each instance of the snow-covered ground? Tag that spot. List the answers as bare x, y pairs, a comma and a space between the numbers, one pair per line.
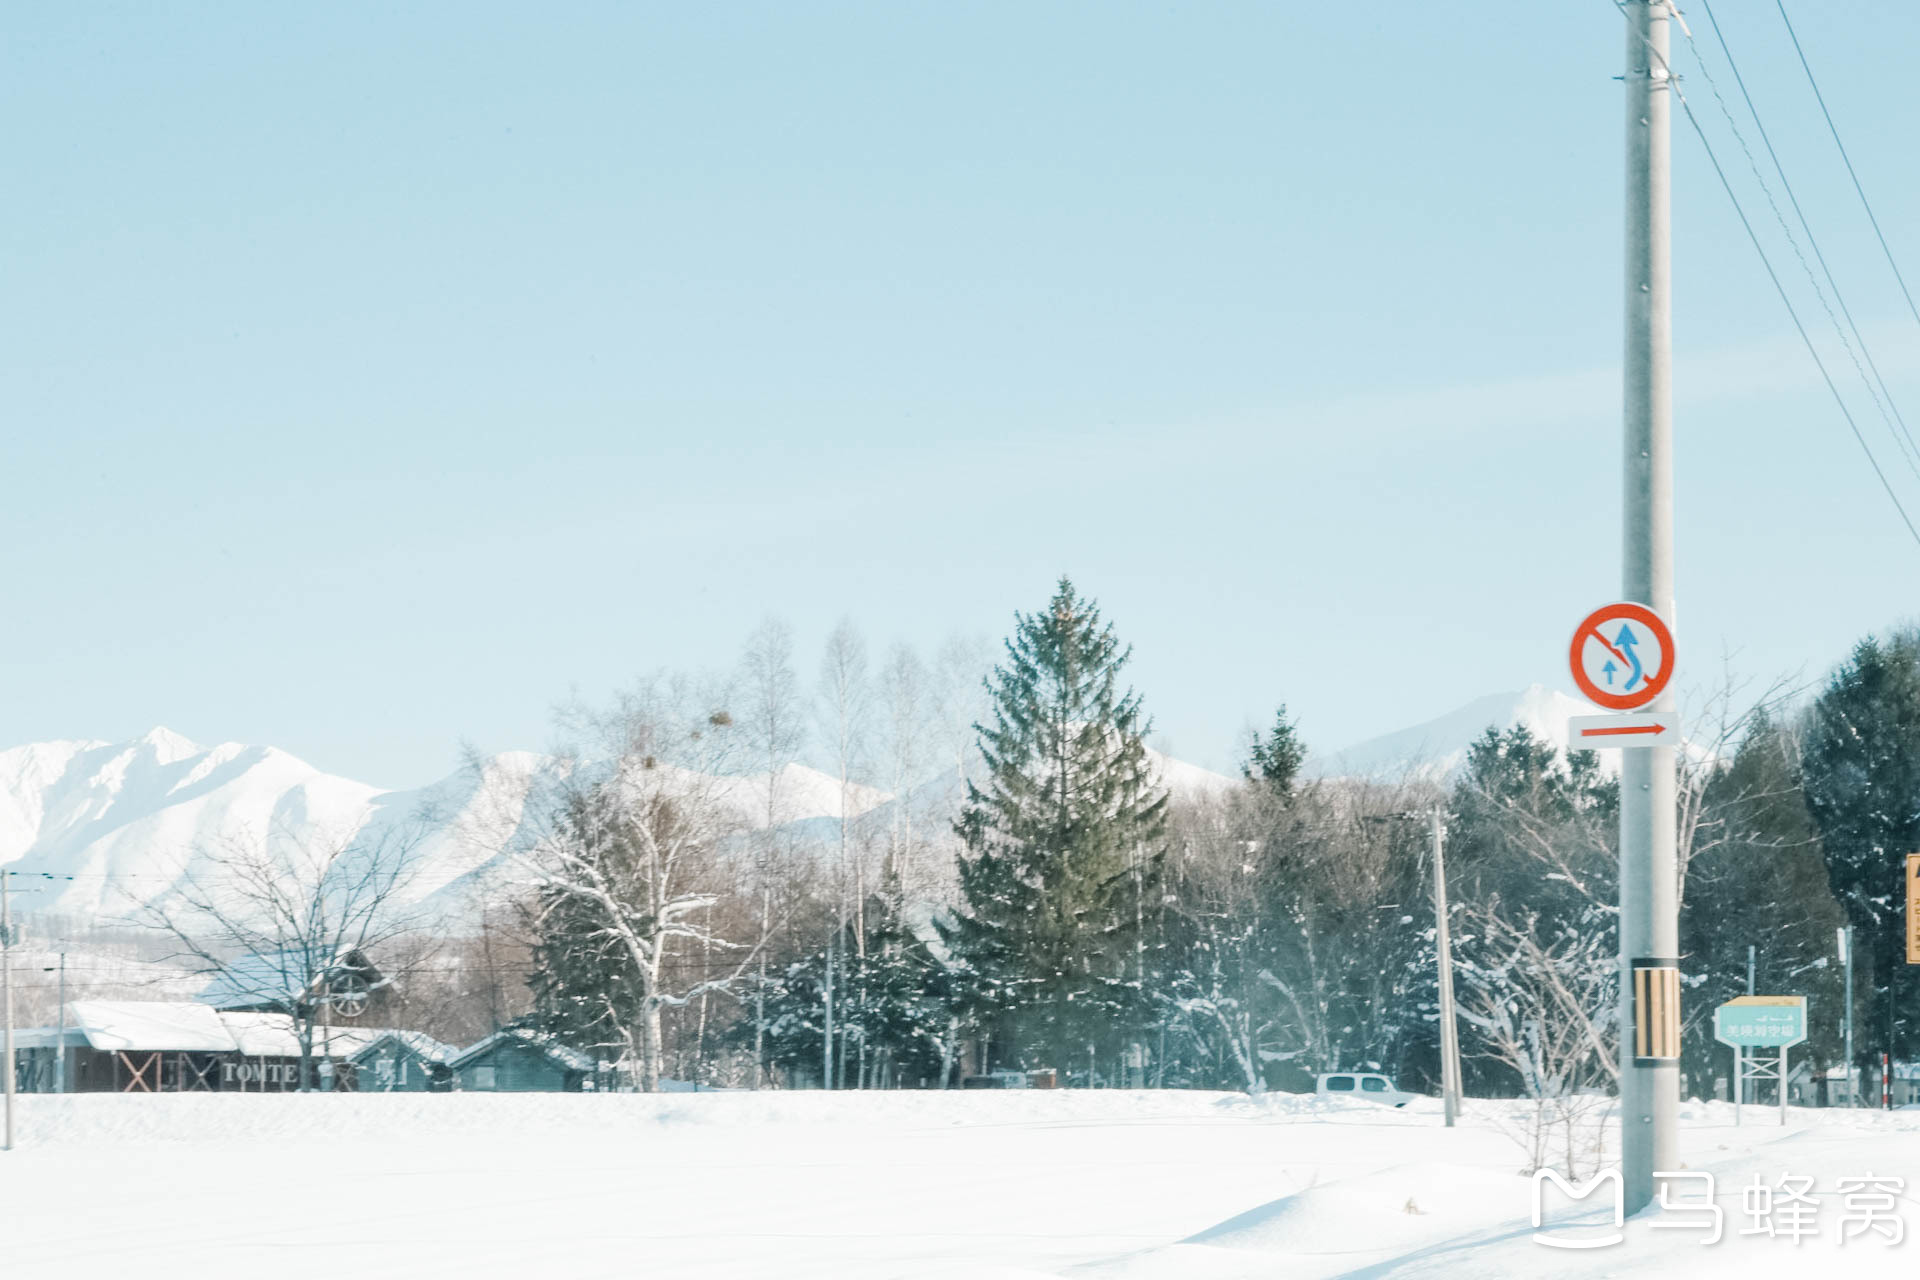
1007, 1186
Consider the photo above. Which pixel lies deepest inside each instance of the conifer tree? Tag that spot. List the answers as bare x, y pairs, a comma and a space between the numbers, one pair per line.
1275, 759
1862, 766
1065, 835
1757, 879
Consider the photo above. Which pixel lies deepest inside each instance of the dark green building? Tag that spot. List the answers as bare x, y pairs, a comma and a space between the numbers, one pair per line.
520, 1061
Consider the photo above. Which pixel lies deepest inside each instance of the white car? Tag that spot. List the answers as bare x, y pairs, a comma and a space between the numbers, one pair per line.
1362, 1084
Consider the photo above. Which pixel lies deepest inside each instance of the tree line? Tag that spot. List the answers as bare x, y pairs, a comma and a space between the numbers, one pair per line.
1005, 881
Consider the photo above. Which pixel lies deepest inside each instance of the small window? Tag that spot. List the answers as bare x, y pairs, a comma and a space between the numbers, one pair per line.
1339, 1084
1373, 1084
483, 1078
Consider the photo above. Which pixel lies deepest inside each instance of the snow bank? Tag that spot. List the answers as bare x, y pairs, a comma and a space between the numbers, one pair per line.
990, 1185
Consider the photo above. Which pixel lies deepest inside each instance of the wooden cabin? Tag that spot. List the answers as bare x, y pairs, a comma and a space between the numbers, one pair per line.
403, 1062
522, 1061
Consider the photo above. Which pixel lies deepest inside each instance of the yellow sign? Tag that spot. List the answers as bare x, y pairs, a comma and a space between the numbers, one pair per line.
1656, 1011
1913, 908
1768, 1000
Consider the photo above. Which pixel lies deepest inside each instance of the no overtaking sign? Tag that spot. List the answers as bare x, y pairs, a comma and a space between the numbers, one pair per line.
1622, 656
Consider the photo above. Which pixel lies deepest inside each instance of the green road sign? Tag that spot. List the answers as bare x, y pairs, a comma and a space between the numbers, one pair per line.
1761, 1022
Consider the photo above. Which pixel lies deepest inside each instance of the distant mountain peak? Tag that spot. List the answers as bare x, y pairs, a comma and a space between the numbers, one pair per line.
167, 746
1438, 748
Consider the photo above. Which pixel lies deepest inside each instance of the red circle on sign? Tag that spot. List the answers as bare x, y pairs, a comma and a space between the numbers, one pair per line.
1590, 629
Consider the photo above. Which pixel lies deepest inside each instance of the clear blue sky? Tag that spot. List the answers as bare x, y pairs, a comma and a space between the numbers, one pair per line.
372, 376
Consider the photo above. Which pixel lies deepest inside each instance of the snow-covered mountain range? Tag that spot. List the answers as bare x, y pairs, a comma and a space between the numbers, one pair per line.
1437, 748
121, 825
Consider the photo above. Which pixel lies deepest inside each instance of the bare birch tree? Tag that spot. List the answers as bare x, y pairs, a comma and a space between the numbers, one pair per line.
630, 864
274, 915
904, 698
843, 704
959, 699
775, 728
1544, 1000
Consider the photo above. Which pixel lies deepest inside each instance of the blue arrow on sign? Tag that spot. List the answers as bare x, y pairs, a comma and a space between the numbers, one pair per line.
1625, 642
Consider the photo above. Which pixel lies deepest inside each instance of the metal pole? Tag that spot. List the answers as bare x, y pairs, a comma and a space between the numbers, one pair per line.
1649, 918
1752, 958
1783, 1084
60, 1045
1853, 1074
1893, 965
1449, 1032
6, 984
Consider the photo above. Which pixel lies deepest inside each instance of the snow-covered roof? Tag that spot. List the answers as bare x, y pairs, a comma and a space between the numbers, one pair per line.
46, 1037
273, 1035
572, 1059
417, 1042
924, 920
178, 1027
280, 978
149, 1026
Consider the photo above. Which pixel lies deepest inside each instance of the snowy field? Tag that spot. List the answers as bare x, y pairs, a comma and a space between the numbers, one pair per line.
1007, 1186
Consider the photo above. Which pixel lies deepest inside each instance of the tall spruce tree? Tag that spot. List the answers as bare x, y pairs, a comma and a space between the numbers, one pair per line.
1065, 836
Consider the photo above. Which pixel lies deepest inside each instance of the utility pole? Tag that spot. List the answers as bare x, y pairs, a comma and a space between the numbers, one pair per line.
1846, 959
1443, 945
1649, 916
6, 986
60, 1045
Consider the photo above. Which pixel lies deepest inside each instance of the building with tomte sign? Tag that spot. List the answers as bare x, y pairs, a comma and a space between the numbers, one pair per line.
242, 1035
122, 1046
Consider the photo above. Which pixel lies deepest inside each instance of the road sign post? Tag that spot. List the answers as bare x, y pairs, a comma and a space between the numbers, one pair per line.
1622, 656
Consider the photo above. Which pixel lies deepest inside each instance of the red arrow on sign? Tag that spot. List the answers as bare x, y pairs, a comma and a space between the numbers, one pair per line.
1622, 732
1629, 728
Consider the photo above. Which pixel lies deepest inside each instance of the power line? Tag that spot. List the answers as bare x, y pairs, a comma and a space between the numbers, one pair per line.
1785, 298
1846, 159
1883, 399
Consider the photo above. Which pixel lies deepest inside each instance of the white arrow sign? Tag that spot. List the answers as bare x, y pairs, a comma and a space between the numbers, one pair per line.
1646, 729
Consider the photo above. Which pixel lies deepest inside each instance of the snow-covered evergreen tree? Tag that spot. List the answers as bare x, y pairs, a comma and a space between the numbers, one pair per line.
1274, 758
1064, 835
1862, 766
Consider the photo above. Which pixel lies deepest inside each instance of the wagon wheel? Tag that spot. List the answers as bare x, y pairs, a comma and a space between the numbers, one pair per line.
349, 995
